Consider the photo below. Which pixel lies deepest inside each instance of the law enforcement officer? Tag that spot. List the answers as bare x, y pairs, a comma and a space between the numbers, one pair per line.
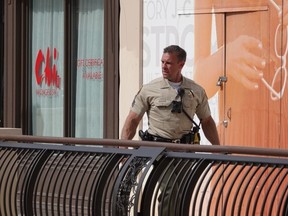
170, 103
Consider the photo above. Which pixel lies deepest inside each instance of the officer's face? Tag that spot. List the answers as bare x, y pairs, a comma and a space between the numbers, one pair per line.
171, 67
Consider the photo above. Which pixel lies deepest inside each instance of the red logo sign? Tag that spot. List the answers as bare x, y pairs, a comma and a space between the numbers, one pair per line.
50, 74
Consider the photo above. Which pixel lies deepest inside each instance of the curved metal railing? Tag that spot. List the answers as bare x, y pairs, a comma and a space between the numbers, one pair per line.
70, 176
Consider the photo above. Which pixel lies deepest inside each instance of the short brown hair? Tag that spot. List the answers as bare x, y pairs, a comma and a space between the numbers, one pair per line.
181, 53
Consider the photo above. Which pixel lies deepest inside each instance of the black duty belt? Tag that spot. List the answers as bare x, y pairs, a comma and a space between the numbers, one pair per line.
162, 139
150, 137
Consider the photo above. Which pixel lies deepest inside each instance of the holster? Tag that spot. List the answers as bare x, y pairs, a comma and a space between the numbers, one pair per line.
192, 137
145, 136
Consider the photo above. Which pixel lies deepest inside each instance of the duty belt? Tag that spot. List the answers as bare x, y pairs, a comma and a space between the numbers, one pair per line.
162, 139
192, 137
150, 137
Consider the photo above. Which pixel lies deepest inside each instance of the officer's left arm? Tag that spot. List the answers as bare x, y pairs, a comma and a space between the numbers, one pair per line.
210, 130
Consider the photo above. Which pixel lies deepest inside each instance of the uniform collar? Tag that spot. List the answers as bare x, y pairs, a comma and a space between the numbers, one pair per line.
164, 84
184, 84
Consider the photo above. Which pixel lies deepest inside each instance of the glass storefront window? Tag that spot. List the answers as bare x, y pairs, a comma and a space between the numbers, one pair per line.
89, 77
86, 75
47, 55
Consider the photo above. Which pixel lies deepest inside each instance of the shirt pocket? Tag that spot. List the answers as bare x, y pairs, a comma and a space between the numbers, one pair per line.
190, 103
162, 103
160, 113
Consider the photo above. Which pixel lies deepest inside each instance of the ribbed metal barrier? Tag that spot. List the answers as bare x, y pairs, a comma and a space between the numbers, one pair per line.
209, 184
57, 179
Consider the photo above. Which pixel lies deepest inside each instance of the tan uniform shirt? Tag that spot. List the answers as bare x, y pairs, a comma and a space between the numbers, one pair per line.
156, 98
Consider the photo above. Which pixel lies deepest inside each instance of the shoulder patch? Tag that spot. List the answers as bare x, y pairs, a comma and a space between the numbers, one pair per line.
133, 102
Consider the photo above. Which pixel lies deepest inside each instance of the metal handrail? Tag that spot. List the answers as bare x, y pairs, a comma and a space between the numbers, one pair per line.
136, 144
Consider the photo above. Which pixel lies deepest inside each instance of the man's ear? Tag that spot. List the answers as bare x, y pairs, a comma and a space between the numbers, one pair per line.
182, 64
